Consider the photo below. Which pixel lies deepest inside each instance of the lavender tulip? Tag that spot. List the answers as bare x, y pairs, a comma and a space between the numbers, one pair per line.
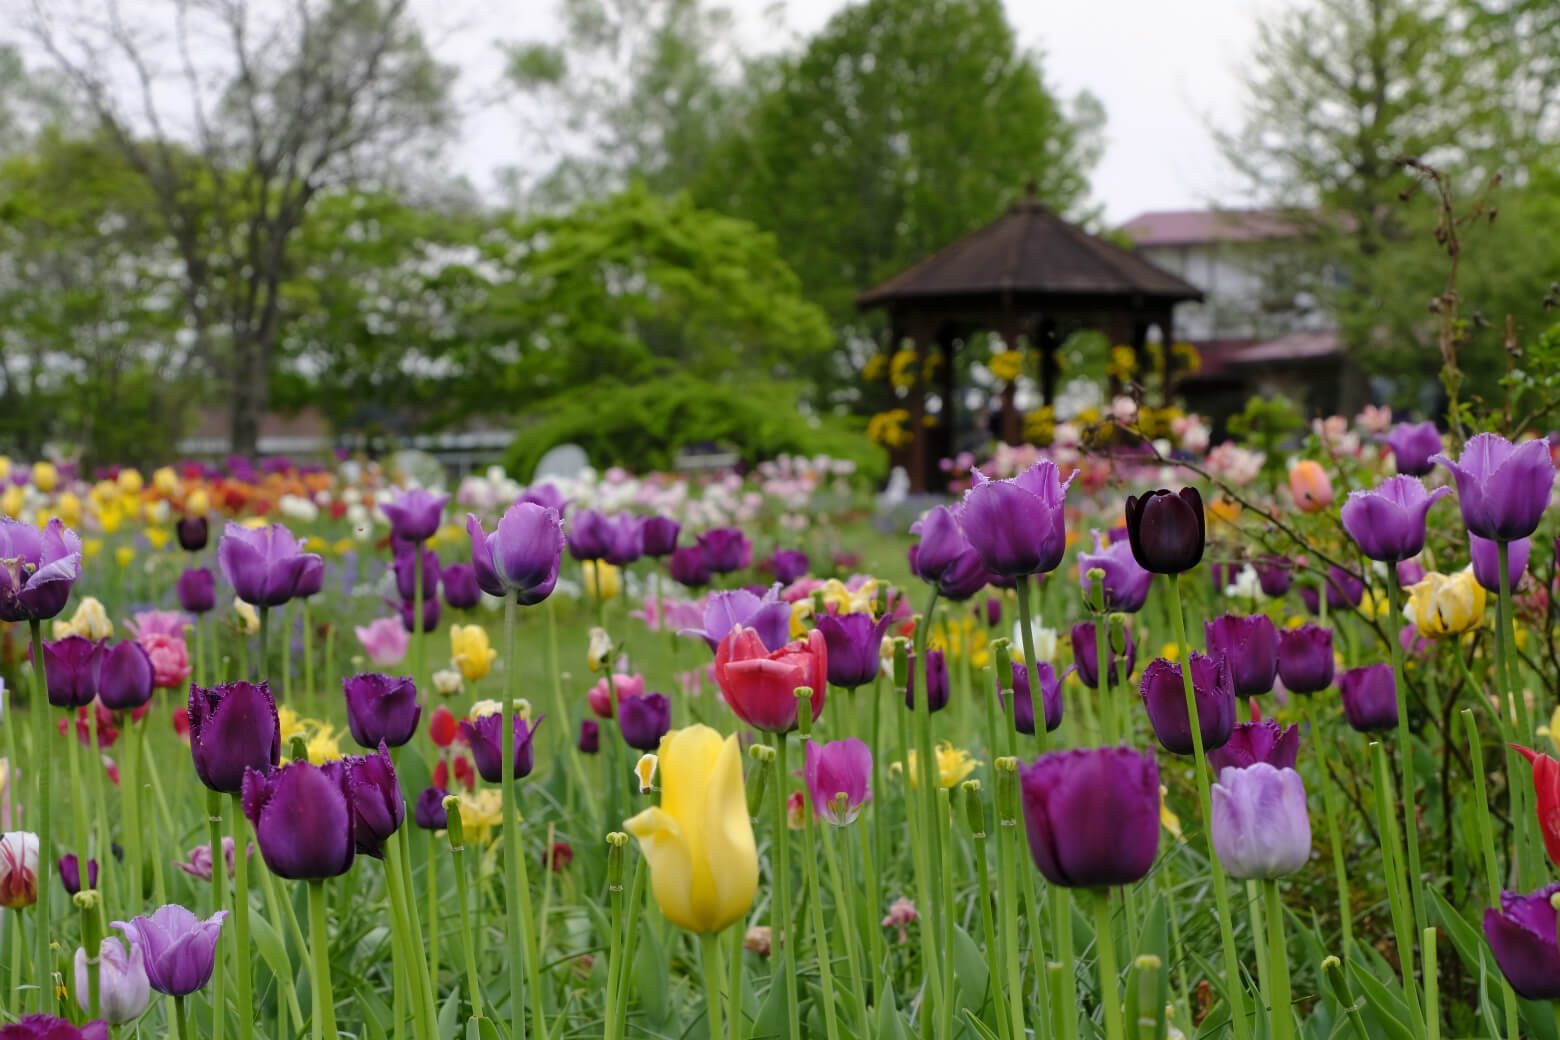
1167, 530
233, 728
1253, 742
178, 949
1018, 526
303, 819
37, 569
1087, 660
522, 557
125, 676
70, 873
660, 536
1125, 584
405, 567
1023, 700
381, 709
855, 646
1388, 522
459, 582
1369, 697
1486, 560
1164, 697
378, 806
124, 991
1414, 446
484, 734
1522, 935
1305, 658
688, 568
428, 813
1502, 488
71, 669
1248, 646
1092, 816
1409, 573
265, 566
197, 590
936, 681
414, 515
840, 767
725, 550
769, 616
644, 720
47, 1027
1259, 824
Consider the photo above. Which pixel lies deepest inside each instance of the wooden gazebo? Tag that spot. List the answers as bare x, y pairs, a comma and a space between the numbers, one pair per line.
1033, 279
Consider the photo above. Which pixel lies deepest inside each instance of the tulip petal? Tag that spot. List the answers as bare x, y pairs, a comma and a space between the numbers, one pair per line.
729, 843
671, 868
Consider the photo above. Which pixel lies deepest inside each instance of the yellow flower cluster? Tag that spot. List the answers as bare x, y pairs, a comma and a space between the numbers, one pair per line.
1040, 425
321, 738
1188, 360
1123, 362
876, 368
961, 637
1007, 366
1155, 422
889, 428
953, 765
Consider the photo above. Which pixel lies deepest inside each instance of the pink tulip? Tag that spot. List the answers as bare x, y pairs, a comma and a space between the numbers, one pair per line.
384, 640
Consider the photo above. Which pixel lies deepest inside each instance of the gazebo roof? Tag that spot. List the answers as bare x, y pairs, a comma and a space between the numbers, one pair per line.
1030, 251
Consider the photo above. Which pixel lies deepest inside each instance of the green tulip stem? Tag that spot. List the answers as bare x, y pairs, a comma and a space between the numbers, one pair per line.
1064, 996
218, 888
945, 841
1282, 1017
407, 938
1027, 637
1406, 754
877, 840
130, 800
1258, 940
456, 836
1233, 986
511, 827
281, 922
780, 912
1515, 702
431, 898
319, 942
1329, 802
1487, 844
88, 902
576, 757
19, 952
287, 653
734, 987
1105, 943
1397, 900
709, 960
240, 913
616, 842
1432, 988
1007, 896
43, 798
107, 865
637, 910
842, 900
308, 654
182, 1020
1102, 655
987, 922
924, 830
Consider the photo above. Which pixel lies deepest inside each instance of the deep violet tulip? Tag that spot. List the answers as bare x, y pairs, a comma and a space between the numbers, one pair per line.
378, 806
1522, 935
1251, 742
1369, 697
1249, 648
1018, 526
126, 676
937, 681
660, 535
193, 533
484, 735
429, 811
1305, 658
688, 568
1164, 697
70, 873
1092, 815
725, 550
788, 565
1086, 655
197, 590
459, 582
233, 727
381, 709
303, 819
855, 646
1125, 583
264, 565
1167, 530
405, 567
71, 669
1414, 446
1023, 701
644, 720
414, 515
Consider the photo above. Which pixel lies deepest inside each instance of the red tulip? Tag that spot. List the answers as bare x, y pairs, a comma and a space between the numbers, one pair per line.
1546, 785
443, 727
761, 686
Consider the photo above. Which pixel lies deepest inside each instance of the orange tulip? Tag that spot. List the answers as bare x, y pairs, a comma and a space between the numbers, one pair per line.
1309, 483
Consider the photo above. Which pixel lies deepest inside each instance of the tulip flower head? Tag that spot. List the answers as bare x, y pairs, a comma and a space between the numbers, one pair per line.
1502, 488
1305, 659
198, 862
429, 813
1023, 701
953, 765
725, 550
1124, 582
726, 611
854, 645
659, 536
789, 565
1413, 447
233, 728
1164, 696
1086, 655
699, 840
644, 720
303, 819
385, 640
1311, 487
1486, 561
1018, 526
18, 869
1440, 605
37, 569
470, 651
266, 566
72, 668
459, 582
1369, 697
405, 567
1388, 522
178, 949
484, 734
840, 767
521, 558
1248, 646
1092, 815
414, 515
936, 674
1522, 935
590, 737
70, 873
945, 558
193, 533
47, 1027
378, 807
124, 990
1253, 742
1546, 786
1259, 824
688, 568
760, 685
1167, 531
197, 590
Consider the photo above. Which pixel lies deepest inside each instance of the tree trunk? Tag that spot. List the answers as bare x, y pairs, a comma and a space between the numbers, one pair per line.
251, 391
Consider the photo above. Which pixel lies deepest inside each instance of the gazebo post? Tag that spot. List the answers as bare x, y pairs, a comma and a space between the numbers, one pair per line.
1011, 331
920, 333
1166, 340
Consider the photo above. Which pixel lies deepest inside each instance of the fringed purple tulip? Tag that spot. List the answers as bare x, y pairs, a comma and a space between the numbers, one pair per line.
264, 565
47, 1027
726, 550
1087, 660
197, 590
414, 515
1305, 658
1502, 488
1248, 646
1023, 700
1092, 816
1388, 522
1125, 583
1018, 526
70, 873
37, 569
936, 681
1414, 446
484, 733
233, 728
428, 813
660, 535
644, 720
193, 533
520, 559
840, 767
1167, 530
1522, 935
1486, 560
125, 676
459, 581
1253, 742
1259, 824
303, 819
855, 644
124, 990
1369, 698
378, 806
688, 568
177, 948
769, 616
381, 709
71, 669
1164, 697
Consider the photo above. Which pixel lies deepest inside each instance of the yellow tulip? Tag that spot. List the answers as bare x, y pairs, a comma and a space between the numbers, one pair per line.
109, 517
801, 610
69, 508
470, 652
1441, 605
90, 620
91, 547
1167, 819
1170, 652
12, 501
124, 554
953, 765
699, 841
600, 649
130, 481
602, 580
481, 812
158, 536
5, 466
198, 503
166, 481
103, 492
45, 476
644, 769
315, 544
247, 616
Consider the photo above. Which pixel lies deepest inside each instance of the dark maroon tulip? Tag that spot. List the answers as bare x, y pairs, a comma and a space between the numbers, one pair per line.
1249, 649
1369, 697
590, 737
47, 1027
1023, 701
937, 681
197, 590
1126, 584
1087, 660
431, 610
194, 532
1164, 697
1522, 935
484, 734
626, 539
1343, 589
37, 569
1413, 445
688, 568
590, 535
644, 720
428, 813
1502, 488
459, 582
405, 568
381, 709
789, 564
70, 873
521, 558
993, 612
726, 550
125, 676
1253, 742
1486, 561
414, 515
264, 565
1305, 658
378, 806
1018, 526
1388, 522
1092, 816
660, 536
303, 819
1275, 574
1167, 530
71, 669
233, 727
855, 645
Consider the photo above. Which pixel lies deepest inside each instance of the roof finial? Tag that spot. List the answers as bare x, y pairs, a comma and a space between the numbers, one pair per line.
1031, 188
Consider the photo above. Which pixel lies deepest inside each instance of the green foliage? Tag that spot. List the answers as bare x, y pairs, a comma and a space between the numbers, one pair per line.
1267, 425
644, 425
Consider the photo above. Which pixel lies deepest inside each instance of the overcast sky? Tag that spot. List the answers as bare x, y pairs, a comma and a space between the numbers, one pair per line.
1166, 72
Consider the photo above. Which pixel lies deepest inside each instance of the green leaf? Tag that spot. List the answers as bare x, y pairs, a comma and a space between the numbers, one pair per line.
1383, 1005
969, 969
481, 1028
890, 1026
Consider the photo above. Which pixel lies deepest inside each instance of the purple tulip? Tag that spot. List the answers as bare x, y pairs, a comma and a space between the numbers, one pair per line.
1388, 522
70, 873
993, 612
1409, 573
1248, 647
197, 590
725, 550
789, 564
688, 568
266, 565
405, 567
769, 616
1522, 935
177, 948
1252, 742
381, 709
429, 811
840, 767
855, 644
1259, 824
303, 819
233, 728
459, 582
1023, 700
522, 557
1167, 530
71, 669
431, 611
1305, 658
660, 536
1164, 697
483, 735
644, 720
37, 569
944, 557
1125, 583
626, 540
414, 515
47, 1027
378, 806
1486, 560
312, 579
590, 535
545, 495
1502, 488
1414, 446
1092, 816
1086, 656
936, 681
125, 676
1369, 697
1018, 526
1343, 589
1275, 574
194, 532
590, 737
124, 991
1312, 599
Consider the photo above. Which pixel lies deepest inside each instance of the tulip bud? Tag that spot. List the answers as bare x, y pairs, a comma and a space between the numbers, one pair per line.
1096, 576
1004, 658
764, 757
974, 809
902, 660
1007, 790
90, 903
1332, 971
453, 830
1150, 1008
804, 710
645, 770
298, 748
615, 843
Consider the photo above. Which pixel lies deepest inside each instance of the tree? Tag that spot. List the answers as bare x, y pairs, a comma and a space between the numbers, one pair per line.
270, 106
